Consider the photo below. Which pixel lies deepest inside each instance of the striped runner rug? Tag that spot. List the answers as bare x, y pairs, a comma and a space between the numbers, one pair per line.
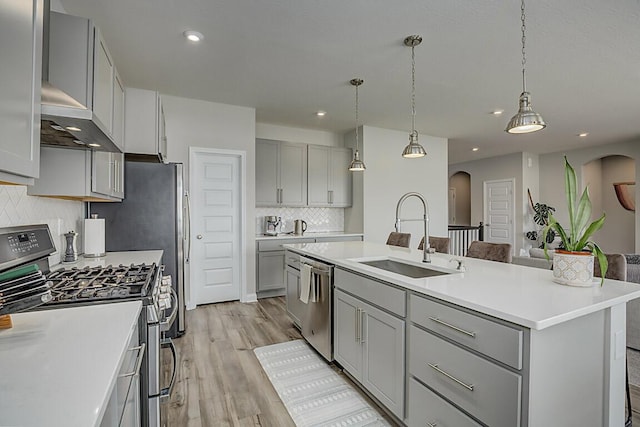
313, 393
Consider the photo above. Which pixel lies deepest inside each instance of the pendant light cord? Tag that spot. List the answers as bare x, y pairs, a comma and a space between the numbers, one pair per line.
357, 117
413, 91
524, 58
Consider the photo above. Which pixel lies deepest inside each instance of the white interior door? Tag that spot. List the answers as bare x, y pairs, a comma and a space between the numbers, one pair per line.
499, 212
216, 226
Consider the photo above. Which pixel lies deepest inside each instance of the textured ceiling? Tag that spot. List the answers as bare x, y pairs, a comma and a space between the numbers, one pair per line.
290, 58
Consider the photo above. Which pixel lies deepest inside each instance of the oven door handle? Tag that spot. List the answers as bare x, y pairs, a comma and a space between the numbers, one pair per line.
165, 393
165, 324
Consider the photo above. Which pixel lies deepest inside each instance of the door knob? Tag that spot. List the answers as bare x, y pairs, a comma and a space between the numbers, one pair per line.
199, 237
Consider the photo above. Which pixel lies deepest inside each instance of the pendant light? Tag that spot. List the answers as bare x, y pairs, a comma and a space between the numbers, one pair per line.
526, 120
413, 150
356, 164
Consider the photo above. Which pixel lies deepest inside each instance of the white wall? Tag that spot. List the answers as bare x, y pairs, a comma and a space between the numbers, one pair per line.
552, 175
495, 168
389, 176
194, 123
530, 182
301, 135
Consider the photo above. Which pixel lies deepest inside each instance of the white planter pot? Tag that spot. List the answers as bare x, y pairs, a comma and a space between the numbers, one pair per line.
573, 270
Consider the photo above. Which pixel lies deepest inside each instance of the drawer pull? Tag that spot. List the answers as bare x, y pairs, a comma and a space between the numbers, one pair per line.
451, 377
431, 424
455, 328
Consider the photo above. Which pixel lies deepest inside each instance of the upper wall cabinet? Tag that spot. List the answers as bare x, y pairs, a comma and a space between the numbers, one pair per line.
90, 176
83, 87
21, 47
144, 130
329, 176
281, 173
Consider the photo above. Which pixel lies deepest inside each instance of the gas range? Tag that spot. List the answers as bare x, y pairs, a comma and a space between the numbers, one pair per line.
24, 246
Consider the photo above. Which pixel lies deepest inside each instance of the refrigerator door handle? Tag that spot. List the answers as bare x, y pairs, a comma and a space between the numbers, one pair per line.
187, 225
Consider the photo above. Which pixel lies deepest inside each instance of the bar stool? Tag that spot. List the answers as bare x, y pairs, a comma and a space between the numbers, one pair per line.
399, 239
439, 244
500, 252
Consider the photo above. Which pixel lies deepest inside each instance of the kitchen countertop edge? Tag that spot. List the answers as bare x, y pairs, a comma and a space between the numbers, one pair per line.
308, 235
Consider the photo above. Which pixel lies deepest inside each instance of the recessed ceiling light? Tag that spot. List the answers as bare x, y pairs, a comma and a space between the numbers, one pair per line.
475, 149
583, 134
193, 36
77, 141
93, 144
321, 113
497, 112
73, 128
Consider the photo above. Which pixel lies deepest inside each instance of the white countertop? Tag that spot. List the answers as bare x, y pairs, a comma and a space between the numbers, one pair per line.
114, 258
308, 235
58, 367
523, 295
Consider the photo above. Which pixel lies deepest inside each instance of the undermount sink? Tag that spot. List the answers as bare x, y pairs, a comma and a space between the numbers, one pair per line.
404, 269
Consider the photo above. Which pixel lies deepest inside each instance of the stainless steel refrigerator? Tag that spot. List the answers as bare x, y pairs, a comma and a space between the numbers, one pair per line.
151, 216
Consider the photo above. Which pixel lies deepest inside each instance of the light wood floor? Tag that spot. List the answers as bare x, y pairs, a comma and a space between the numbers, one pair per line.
221, 383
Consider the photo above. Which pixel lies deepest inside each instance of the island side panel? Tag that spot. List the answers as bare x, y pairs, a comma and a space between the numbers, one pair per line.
573, 379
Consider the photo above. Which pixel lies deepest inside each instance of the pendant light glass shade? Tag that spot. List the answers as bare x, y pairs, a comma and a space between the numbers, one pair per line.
414, 149
526, 120
356, 164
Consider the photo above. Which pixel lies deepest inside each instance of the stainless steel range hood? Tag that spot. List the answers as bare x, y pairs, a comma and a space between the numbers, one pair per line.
68, 119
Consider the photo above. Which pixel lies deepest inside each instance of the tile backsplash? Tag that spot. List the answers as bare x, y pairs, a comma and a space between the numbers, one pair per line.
318, 219
18, 208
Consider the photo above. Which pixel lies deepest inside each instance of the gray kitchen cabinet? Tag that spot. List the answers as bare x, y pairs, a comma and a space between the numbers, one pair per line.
91, 176
118, 111
270, 268
21, 47
427, 409
369, 344
281, 173
144, 127
271, 271
329, 179
465, 368
295, 307
103, 83
81, 66
123, 407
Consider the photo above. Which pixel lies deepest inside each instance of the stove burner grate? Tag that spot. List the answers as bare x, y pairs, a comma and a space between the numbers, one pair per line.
101, 283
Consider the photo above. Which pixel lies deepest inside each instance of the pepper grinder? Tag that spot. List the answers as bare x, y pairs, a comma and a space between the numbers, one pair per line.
71, 254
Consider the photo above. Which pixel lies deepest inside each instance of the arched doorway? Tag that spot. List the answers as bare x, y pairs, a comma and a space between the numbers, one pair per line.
460, 199
611, 181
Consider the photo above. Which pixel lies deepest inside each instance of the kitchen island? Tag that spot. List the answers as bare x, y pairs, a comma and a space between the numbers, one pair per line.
489, 343
60, 367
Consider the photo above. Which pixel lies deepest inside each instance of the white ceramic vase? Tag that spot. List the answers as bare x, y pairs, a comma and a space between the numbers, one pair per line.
573, 269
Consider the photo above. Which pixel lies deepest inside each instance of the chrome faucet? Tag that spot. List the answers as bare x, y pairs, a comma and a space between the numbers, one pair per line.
425, 218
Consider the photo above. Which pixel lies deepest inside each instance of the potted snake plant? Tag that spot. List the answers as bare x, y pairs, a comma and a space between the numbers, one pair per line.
573, 263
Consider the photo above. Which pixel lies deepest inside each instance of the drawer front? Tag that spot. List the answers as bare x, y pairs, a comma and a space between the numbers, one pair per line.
382, 295
427, 409
485, 390
292, 259
276, 245
497, 341
339, 239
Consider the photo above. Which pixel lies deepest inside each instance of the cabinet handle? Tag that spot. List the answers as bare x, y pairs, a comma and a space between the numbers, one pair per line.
451, 377
136, 370
357, 324
431, 424
330, 197
362, 323
455, 328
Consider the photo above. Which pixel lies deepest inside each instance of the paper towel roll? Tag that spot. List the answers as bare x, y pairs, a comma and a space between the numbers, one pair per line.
94, 237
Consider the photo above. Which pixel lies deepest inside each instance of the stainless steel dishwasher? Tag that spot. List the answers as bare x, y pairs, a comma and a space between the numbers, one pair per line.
317, 325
